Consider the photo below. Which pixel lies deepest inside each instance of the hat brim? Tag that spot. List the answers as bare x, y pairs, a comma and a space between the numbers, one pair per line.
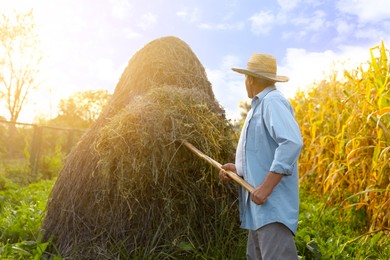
265, 75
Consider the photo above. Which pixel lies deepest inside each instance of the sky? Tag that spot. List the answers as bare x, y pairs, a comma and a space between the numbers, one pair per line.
87, 44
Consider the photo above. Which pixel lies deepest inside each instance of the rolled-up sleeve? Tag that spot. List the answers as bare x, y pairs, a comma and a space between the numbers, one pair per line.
281, 124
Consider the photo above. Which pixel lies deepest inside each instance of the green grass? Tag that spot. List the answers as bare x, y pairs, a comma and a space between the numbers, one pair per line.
324, 232
333, 232
21, 212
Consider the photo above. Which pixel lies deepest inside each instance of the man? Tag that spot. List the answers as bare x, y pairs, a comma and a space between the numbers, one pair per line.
266, 157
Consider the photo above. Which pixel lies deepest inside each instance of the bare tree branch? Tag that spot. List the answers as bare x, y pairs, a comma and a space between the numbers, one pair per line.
20, 57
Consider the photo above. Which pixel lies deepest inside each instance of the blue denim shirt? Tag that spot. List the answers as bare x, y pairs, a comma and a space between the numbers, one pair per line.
270, 141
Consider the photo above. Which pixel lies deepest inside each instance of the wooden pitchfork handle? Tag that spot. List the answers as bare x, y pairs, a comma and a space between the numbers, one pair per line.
217, 165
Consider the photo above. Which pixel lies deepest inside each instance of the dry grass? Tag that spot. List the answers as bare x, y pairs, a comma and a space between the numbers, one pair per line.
129, 188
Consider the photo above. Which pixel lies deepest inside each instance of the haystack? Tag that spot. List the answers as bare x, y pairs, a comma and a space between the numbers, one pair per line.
129, 188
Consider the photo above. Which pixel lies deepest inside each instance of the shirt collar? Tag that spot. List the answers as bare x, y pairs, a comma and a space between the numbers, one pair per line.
256, 100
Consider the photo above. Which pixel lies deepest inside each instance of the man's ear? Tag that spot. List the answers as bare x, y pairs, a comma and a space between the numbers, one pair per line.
250, 79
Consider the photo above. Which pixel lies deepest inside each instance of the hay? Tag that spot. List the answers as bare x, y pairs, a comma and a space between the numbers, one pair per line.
165, 61
129, 188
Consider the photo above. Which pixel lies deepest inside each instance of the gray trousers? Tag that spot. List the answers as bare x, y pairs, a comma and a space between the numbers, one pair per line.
273, 241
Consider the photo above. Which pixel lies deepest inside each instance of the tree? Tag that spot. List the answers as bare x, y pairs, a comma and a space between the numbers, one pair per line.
82, 108
20, 57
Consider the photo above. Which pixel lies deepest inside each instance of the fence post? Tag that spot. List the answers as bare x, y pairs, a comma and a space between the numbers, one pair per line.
11, 139
35, 149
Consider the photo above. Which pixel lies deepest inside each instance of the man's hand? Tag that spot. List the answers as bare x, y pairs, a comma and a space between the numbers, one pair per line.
228, 167
262, 192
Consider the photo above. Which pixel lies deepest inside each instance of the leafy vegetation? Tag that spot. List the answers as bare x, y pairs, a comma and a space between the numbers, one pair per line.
330, 232
22, 208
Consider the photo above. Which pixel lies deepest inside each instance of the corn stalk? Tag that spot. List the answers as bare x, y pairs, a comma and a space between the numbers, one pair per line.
346, 131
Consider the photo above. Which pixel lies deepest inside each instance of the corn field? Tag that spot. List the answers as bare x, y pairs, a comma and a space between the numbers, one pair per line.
346, 130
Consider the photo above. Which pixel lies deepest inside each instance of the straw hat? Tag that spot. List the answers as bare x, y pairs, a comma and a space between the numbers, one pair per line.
262, 66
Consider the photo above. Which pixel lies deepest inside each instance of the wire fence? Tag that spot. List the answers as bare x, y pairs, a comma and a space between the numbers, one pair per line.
37, 148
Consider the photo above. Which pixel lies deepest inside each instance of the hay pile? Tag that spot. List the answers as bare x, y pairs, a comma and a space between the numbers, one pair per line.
129, 188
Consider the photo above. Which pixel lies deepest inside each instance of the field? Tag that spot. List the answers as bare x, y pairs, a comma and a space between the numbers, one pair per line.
344, 180
323, 232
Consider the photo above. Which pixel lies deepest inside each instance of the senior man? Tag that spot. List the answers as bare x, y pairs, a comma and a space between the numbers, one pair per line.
266, 157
